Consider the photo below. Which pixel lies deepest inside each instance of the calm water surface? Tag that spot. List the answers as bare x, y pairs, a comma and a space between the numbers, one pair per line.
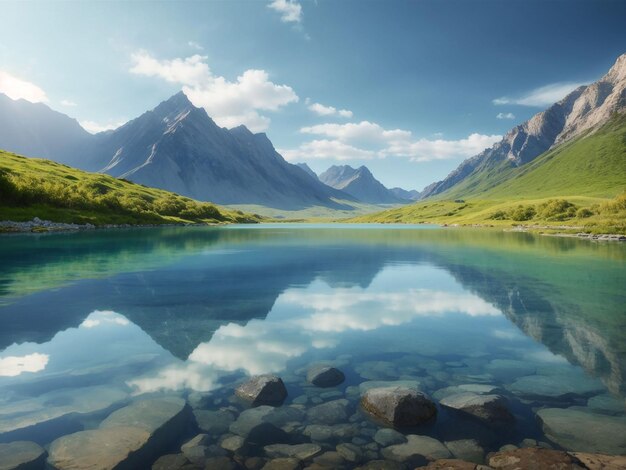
92, 321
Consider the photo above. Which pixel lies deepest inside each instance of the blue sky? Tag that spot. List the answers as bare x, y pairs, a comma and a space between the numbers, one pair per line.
408, 88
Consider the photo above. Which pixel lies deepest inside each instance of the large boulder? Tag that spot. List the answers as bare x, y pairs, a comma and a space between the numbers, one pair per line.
129, 438
491, 409
580, 430
399, 406
325, 376
22, 455
263, 390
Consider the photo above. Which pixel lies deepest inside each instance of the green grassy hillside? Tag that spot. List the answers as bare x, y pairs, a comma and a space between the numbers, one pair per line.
580, 184
33, 187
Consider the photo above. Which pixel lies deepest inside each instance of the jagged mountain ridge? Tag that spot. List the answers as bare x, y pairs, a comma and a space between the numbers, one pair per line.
177, 147
308, 170
584, 109
411, 195
360, 183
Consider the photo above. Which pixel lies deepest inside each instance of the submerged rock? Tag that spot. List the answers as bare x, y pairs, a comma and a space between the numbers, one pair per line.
22, 455
325, 376
399, 406
282, 464
388, 437
453, 464
534, 458
556, 386
466, 449
417, 446
479, 389
263, 390
214, 422
491, 409
129, 437
332, 412
173, 462
580, 430
296, 451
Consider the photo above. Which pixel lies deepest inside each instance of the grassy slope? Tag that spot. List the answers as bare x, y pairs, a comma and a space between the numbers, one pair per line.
33, 187
587, 172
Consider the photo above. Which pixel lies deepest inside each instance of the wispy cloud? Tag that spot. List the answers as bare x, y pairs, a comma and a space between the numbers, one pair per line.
229, 103
290, 10
542, 96
67, 103
16, 88
368, 140
95, 127
505, 116
322, 110
195, 45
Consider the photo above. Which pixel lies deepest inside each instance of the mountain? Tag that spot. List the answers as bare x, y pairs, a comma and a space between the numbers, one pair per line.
176, 147
360, 183
307, 168
581, 112
411, 195
36, 130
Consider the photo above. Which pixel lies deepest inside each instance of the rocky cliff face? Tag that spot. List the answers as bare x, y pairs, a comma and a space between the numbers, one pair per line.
582, 110
360, 183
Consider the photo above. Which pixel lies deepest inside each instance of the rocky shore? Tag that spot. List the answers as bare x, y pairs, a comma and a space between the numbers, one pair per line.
41, 226
253, 424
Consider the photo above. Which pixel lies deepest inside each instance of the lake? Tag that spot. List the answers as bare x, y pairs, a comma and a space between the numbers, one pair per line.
95, 321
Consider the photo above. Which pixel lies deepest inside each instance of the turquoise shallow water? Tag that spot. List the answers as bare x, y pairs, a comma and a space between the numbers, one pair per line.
92, 321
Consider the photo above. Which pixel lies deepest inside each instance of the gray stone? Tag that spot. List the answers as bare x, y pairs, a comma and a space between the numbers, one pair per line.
129, 437
332, 412
480, 389
557, 386
325, 376
214, 423
263, 390
172, 462
365, 386
417, 445
249, 419
388, 437
467, 449
331, 459
491, 409
382, 465
220, 463
607, 404
584, 431
22, 455
296, 451
233, 443
350, 452
282, 464
399, 406
199, 440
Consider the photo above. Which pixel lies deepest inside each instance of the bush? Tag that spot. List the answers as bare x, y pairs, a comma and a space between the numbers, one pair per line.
499, 215
556, 209
522, 213
583, 213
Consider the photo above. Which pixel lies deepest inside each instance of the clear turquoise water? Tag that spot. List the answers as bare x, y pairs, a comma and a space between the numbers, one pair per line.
89, 321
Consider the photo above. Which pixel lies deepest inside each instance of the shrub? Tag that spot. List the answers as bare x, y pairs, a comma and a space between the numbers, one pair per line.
583, 213
499, 215
522, 213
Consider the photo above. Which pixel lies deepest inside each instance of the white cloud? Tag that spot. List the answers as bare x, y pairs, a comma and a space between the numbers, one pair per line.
12, 366
228, 103
195, 45
542, 96
361, 132
322, 110
367, 140
327, 149
16, 88
505, 116
95, 127
425, 150
67, 103
290, 10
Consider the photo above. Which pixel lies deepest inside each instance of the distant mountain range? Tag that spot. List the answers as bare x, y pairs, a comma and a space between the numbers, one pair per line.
360, 183
177, 147
583, 111
411, 195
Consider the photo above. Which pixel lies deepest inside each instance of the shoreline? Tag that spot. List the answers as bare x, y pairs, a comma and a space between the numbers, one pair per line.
38, 225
